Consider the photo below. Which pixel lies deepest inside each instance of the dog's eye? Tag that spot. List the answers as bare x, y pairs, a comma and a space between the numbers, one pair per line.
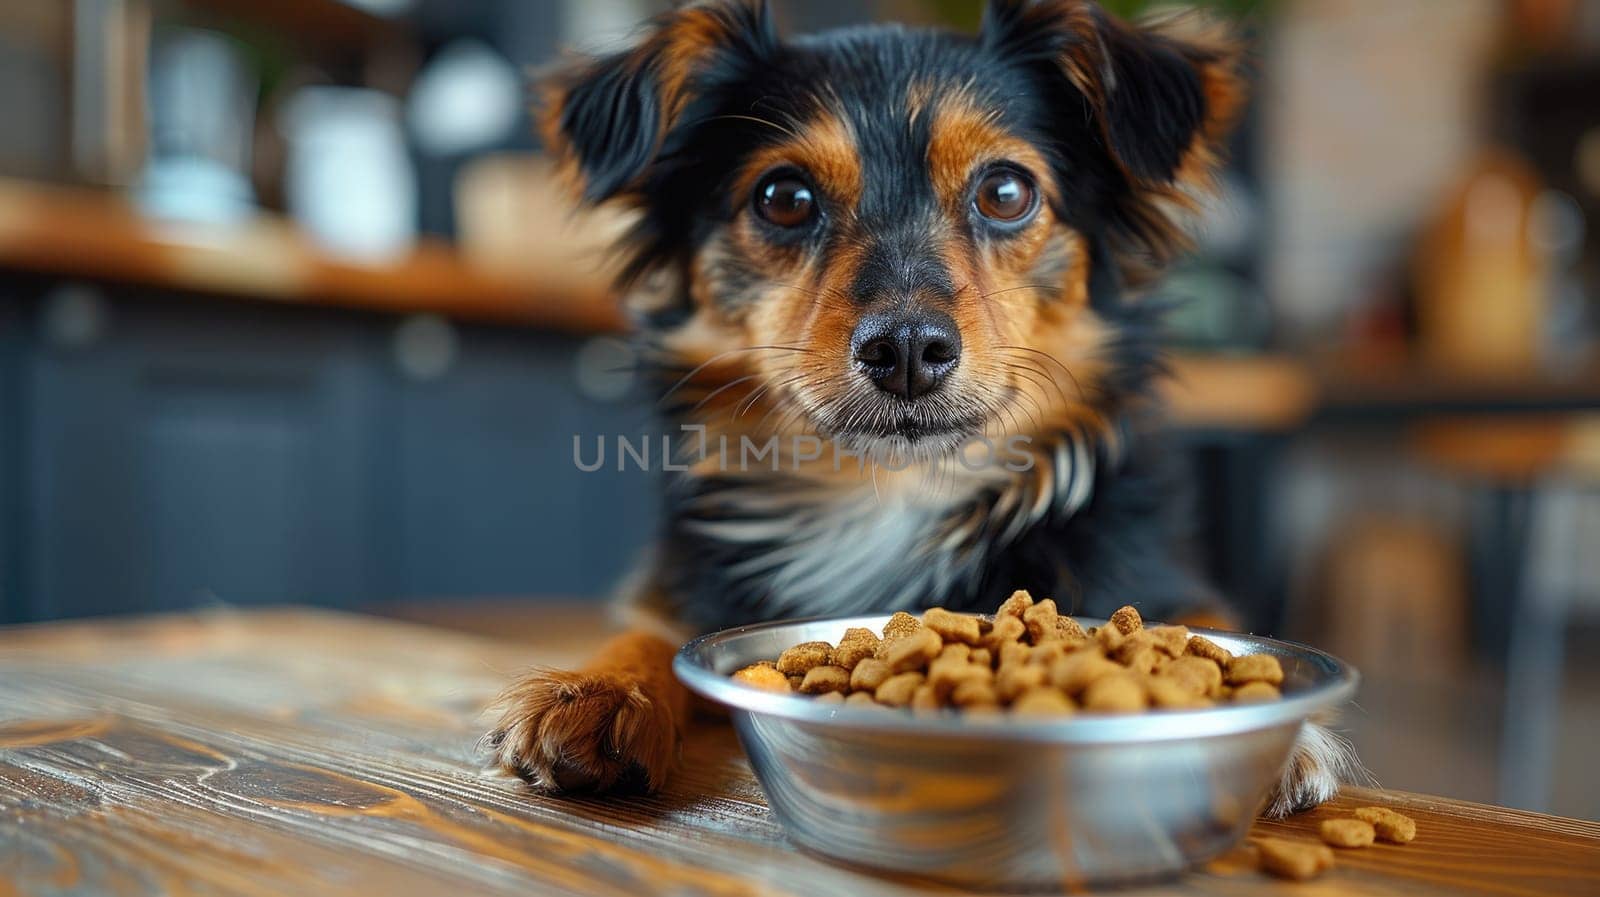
1004, 195
785, 200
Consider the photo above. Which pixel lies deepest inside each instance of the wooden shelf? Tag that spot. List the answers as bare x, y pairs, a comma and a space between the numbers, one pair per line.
1254, 392
327, 23
1349, 385
74, 232
1277, 392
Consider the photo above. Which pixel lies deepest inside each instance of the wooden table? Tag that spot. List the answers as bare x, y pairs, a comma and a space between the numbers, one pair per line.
299, 752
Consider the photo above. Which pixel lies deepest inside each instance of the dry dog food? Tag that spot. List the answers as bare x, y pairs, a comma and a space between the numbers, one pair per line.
1030, 660
1347, 833
763, 675
1300, 860
1297, 860
1388, 825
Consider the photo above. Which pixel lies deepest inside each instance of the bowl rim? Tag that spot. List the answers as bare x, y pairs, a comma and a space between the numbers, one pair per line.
1337, 682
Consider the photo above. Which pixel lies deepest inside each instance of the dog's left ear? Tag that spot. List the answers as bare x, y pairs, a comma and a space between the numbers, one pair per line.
1163, 95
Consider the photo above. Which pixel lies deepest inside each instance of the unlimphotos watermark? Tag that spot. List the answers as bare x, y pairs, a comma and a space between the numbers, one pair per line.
776, 453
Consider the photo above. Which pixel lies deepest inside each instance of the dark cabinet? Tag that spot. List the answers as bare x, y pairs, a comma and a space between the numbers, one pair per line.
10, 445
182, 452
488, 499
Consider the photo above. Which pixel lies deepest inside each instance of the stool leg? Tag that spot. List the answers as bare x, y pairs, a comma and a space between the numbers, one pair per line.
1538, 629
1500, 540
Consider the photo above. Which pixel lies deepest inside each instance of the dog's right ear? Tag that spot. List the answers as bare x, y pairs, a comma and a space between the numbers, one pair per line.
606, 119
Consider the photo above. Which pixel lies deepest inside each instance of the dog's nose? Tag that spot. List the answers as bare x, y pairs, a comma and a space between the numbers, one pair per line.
907, 354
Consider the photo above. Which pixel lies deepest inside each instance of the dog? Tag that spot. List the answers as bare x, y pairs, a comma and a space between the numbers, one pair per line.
896, 243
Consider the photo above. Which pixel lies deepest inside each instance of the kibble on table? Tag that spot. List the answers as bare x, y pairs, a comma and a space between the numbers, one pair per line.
1296, 860
1347, 832
1388, 825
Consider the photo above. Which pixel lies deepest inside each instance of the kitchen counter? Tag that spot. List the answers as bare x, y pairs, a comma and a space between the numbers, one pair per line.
79, 233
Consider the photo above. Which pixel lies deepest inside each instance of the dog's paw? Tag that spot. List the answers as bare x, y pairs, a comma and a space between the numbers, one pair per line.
577, 732
1321, 762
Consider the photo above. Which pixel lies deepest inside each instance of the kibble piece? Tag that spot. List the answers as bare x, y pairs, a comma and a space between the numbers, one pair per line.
951, 627
1070, 630
1121, 693
1014, 653
910, 652
1076, 672
982, 657
1041, 621
1295, 860
1128, 644
1014, 606
802, 657
947, 672
974, 693
900, 624
957, 650
896, 691
1048, 653
1042, 702
1169, 640
1174, 695
1007, 630
1013, 680
1126, 620
860, 699
1143, 661
1255, 668
824, 679
856, 645
1255, 693
763, 675
1396, 828
925, 700
1347, 832
869, 674
1197, 674
794, 682
1200, 646
1110, 638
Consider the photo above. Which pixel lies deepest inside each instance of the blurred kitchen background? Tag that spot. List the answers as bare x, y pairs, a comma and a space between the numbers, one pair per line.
290, 311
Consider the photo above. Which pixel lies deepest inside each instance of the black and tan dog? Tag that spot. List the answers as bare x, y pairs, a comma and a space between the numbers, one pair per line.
893, 242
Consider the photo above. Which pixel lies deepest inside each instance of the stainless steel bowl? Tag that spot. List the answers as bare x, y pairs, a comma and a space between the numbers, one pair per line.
1005, 802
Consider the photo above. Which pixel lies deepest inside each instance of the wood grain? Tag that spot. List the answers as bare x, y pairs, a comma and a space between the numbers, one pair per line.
296, 752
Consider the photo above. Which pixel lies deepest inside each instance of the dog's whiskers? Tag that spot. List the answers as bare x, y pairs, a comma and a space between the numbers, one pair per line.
718, 357
1050, 358
734, 116
1038, 377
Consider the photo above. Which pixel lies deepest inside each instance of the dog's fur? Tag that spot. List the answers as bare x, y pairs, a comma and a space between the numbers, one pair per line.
750, 328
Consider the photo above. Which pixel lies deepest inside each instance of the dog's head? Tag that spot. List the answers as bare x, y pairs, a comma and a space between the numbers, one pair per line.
888, 232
